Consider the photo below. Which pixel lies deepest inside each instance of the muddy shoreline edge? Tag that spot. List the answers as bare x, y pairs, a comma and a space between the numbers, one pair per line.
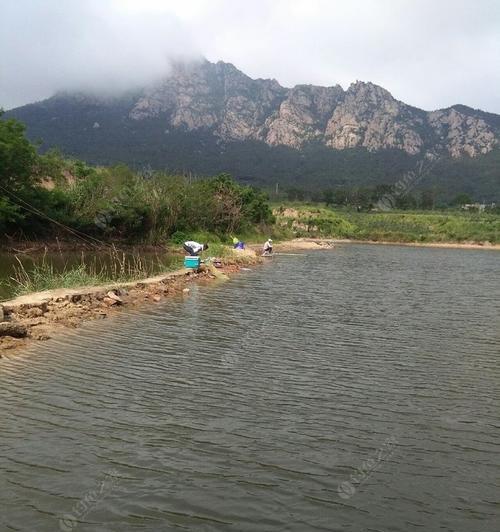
42, 315
26, 247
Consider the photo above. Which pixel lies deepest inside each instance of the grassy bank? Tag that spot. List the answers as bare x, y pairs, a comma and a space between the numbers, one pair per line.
393, 226
39, 315
114, 266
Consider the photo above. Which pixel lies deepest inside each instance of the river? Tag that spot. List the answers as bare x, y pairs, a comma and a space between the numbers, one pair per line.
346, 390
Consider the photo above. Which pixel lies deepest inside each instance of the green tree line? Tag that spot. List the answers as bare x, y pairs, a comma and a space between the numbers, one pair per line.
43, 196
366, 197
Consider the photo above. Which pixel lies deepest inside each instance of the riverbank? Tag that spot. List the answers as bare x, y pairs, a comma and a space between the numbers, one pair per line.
396, 227
39, 316
448, 245
323, 243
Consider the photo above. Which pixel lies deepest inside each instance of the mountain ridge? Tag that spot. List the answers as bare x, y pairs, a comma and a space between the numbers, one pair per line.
210, 117
221, 98
237, 107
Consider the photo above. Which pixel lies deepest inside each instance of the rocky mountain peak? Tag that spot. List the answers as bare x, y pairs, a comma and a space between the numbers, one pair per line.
220, 98
462, 134
369, 92
302, 116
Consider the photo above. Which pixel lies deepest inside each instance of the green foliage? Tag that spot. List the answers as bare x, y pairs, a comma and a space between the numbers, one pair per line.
329, 197
179, 237
46, 195
44, 277
81, 170
427, 199
461, 199
18, 156
366, 197
17, 167
427, 227
305, 172
10, 214
393, 226
116, 202
113, 267
51, 165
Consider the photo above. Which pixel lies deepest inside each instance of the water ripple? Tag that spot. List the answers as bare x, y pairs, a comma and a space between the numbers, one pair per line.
354, 389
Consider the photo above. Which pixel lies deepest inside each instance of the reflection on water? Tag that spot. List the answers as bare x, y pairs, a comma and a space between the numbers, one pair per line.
106, 262
353, 389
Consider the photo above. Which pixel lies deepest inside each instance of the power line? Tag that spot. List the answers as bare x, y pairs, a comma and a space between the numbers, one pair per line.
78, 234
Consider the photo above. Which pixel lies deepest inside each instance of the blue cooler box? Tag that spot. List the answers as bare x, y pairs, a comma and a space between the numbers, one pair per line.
192, 262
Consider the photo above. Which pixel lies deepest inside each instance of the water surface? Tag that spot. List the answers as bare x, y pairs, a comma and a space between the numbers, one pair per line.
352, 389
101, 262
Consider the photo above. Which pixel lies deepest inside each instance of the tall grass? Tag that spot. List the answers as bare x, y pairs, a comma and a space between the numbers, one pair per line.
115, 266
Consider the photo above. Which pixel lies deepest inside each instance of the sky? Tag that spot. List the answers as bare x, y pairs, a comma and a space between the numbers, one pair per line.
430, 54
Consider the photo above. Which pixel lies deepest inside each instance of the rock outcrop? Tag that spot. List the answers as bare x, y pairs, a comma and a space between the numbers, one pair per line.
205, 110
232, 106
370, 117
206, 95
462, 134
302, 117
13, 329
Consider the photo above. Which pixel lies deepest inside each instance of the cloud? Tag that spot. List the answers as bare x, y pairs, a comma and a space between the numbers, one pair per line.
90, 45
428, 54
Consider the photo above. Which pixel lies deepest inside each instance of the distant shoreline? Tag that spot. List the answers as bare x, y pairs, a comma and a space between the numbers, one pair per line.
314, 243
294, 243
449, 245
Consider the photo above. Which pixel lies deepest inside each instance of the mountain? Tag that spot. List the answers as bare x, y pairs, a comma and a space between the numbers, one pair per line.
210, 117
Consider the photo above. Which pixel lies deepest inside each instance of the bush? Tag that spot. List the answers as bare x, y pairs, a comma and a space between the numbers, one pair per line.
10, 214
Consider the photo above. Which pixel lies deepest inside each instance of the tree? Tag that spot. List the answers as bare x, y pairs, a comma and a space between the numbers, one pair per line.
406, 201
462, 199
427, 199
9, 213
17, 161
18, 156
340, 196
51, 164
361, 197
296, 194
381, 191
328, 197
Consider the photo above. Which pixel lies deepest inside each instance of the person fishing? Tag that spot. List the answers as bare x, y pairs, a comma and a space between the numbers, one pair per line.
238, 244
194, 248
268, 247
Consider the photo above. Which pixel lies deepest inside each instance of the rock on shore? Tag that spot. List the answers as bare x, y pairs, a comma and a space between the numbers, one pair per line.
13, 329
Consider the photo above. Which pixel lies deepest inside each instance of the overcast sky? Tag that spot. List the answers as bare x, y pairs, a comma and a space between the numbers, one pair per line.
428, 53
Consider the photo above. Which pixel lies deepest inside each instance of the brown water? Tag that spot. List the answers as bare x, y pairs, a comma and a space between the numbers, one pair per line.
354, 389
96, 261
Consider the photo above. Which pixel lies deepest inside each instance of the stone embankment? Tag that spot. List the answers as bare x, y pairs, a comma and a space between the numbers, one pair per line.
41, 315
